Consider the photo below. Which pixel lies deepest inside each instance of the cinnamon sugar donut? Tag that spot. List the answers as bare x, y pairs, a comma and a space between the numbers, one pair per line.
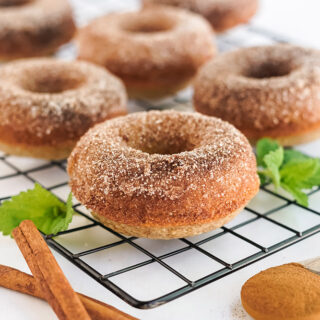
222, 14
163, 174
154, 51
46, 105
269, 91
34, 27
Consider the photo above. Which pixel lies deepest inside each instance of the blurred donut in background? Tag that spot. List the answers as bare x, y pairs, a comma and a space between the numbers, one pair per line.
156, 51
222, 14
30, 28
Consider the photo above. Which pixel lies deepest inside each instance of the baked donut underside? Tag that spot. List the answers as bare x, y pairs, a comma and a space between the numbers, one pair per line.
165, 232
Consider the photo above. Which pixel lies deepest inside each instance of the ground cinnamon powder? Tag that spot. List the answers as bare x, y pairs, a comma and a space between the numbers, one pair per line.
287, 292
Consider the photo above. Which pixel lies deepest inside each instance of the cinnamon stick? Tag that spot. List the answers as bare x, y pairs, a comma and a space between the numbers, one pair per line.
49, 277
14, 279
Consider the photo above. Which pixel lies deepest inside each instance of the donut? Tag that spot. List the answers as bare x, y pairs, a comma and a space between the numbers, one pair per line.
30, 28
46, 105
163, 175
155, 51
268, 91
222, 14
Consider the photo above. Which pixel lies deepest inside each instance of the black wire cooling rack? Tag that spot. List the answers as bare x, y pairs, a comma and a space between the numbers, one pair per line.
132, 268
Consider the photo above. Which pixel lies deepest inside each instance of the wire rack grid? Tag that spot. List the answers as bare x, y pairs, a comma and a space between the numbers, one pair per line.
148, 273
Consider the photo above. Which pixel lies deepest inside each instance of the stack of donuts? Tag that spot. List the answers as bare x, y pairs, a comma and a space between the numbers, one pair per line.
152, 174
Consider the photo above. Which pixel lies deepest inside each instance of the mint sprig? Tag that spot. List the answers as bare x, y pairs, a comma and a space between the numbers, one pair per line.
48, 213
291, 170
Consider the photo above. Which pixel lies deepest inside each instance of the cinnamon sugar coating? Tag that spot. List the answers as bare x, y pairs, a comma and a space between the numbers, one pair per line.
47, 103
152, 50
264, 91
163, 170
34, 27
222, 14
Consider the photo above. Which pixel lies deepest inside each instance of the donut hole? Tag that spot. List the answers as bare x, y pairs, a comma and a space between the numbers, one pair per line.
165, 138
148, 28
52, 81
148, 24
268, 70
154, 145
167, 147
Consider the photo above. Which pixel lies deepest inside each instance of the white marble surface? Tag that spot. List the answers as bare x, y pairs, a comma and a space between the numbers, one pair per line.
296, 19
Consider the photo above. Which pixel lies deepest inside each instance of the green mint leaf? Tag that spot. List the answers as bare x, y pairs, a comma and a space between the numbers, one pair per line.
263, 147
263, 178
48, 213
273, 160
300, 173
299, 195
315, 179
291, 154
290, 169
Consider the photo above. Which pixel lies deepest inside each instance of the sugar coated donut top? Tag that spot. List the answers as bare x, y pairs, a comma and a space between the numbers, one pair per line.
26, 15
46, 100
262, 87
148, 42
159, 155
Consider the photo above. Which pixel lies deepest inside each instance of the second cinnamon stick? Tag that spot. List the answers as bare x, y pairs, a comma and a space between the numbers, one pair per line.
14, 279
50, 278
